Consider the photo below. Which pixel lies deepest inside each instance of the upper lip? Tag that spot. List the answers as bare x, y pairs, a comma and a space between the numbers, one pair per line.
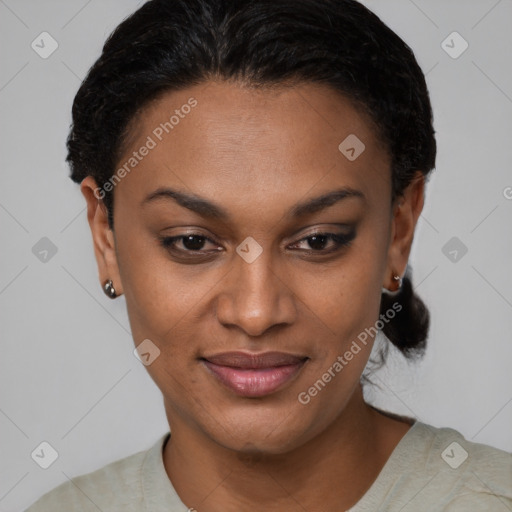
253, 361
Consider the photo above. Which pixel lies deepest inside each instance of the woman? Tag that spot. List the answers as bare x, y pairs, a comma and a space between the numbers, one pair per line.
254, 172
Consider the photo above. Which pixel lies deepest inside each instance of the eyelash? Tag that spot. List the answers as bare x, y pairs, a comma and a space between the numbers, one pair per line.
340, 240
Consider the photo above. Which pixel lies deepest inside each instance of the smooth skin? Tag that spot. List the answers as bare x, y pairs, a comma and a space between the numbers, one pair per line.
257, 154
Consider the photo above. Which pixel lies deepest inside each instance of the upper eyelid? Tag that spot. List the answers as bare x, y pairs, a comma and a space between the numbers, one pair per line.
327, 230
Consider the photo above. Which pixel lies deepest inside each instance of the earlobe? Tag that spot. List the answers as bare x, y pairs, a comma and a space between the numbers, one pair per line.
103, 238
397, 279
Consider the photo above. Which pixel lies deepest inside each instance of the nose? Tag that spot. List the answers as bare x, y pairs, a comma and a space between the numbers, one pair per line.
256, 297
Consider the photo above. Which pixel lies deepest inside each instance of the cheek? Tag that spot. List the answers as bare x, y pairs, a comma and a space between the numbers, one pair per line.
161, 302
345, 297
163, 306
161, 296
346, 306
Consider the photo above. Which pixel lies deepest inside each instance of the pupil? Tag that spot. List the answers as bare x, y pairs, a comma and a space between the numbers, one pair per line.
193, 242
317, 242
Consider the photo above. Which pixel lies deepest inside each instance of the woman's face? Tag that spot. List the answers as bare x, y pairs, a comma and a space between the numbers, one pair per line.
232, 263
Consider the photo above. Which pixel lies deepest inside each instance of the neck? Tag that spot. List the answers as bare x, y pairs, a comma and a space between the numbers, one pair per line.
353, 449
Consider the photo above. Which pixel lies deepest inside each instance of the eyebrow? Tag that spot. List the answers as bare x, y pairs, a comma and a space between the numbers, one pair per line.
207, 208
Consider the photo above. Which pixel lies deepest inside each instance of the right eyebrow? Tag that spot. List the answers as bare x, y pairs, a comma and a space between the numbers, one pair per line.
202, 206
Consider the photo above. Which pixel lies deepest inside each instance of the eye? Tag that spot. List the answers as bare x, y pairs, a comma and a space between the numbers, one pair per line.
324, 243
191, 243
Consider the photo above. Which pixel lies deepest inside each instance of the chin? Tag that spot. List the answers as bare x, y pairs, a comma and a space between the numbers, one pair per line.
258, 433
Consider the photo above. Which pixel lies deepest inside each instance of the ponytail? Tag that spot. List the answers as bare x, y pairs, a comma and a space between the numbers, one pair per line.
408, 330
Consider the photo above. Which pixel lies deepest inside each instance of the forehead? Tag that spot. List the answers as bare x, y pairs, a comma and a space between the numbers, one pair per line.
222, 140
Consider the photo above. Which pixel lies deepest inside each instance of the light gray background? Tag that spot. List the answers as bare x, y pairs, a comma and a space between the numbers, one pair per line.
68, 373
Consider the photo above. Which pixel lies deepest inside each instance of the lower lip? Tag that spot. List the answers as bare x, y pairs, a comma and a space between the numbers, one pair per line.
254, 382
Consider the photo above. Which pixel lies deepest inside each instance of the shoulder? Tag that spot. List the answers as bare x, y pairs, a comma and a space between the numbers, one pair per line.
438, 469
116, 485
449, 449
462, 474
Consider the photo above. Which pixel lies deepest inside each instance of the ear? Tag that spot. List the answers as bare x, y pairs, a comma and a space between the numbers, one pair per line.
102, 235
406, 210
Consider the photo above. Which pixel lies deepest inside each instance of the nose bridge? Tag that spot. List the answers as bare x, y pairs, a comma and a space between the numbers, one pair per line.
257, 281
257, 296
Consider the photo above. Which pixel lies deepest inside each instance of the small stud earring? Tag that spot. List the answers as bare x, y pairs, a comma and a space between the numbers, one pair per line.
398, 279
109, 289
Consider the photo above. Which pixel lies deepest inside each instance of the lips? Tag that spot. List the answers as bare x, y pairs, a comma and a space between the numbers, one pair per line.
254, 375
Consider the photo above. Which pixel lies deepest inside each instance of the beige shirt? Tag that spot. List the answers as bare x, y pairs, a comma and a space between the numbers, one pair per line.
430, 470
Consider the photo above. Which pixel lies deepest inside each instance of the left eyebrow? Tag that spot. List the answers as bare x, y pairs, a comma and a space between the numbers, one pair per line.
207, 208
324, 201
